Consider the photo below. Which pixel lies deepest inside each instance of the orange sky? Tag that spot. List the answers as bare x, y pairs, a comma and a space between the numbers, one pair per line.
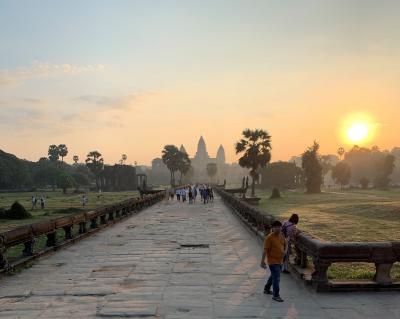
135, 76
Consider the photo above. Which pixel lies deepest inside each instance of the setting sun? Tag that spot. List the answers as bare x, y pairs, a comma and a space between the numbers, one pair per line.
357, 132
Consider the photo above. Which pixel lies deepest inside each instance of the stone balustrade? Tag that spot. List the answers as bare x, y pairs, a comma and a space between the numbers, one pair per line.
73, 228
314, 256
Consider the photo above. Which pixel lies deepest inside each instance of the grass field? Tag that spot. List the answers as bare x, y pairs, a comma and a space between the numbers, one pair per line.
357, 215
56, 201
368, 215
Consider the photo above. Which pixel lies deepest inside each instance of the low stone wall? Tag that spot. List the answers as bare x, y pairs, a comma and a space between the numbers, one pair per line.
313, 256
82, 224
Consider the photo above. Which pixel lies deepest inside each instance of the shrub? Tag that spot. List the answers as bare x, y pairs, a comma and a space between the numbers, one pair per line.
275, 193
17, 211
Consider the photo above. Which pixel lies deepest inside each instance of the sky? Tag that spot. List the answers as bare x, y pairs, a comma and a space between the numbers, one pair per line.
128, 77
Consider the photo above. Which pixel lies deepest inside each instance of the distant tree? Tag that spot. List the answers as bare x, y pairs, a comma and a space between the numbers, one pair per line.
340, 152
184, 164
123, 159
275, 193
81, 179
65, 181
256, 148
364, 182
171, 158
326, 163
211, 170
53, 153
312, 169
95, 163
46, 173
341, 173
387, 167
75, 159
62, 151
280, 174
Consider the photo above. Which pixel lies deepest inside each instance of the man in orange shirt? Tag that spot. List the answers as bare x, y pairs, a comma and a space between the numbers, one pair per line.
274, 250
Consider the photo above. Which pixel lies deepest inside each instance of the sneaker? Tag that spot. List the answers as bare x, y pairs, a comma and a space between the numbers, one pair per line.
286, 271
268, 292
278, 299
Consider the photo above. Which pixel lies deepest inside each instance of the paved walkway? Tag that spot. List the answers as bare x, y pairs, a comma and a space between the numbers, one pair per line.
146, 267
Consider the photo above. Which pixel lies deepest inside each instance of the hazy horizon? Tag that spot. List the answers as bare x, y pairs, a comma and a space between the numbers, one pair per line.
132, 76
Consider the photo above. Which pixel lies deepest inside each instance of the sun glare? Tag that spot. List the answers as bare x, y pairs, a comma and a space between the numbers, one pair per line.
358, 129
357, 132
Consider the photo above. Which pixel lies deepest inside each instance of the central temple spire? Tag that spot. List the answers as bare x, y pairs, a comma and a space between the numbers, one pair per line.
201, 153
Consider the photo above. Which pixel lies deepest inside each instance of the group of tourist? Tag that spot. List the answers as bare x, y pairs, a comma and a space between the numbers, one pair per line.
35, 200
277, 250
190, 193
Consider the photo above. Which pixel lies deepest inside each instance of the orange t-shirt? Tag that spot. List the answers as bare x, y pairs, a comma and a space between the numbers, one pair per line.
274, 247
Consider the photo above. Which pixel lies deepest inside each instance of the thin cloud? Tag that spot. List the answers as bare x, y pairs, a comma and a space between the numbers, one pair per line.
106, 102
17, 76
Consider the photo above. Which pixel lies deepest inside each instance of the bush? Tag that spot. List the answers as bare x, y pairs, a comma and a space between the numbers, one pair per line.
275, 193
3, 213
17, 211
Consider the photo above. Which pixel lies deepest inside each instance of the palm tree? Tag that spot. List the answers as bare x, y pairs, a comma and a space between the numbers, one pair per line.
124, 158
211, 170
183, 164
95, 163
340, 152
171, 158
256, 148
75, 159
62, 151
53, 153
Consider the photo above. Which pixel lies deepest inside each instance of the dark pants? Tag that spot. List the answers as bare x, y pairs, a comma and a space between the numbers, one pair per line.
274, 279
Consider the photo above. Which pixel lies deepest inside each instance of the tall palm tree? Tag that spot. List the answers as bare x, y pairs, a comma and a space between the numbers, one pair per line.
95, 163
184, 164
256, 148
171, 158
54, 153
62, 151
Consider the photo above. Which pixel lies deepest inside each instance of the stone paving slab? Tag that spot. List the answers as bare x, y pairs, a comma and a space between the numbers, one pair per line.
149, 266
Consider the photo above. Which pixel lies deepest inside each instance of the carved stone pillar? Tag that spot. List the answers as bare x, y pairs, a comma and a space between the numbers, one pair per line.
82, 228
382, 274
51, 239
320, 274
103, 220
93, 223
28, 248
68, 232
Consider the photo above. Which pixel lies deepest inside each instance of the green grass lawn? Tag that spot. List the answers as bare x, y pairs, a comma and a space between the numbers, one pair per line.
368, 215
356, 215
56, 201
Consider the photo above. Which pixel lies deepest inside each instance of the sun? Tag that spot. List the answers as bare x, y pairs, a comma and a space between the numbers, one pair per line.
357, 132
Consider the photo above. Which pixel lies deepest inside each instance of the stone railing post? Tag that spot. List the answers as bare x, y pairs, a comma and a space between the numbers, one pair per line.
68, 232
111, 215
382, 273
320, 273
301, 257
82, 228
28, 247
3, 258
51, 239
93, 223
103, 220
